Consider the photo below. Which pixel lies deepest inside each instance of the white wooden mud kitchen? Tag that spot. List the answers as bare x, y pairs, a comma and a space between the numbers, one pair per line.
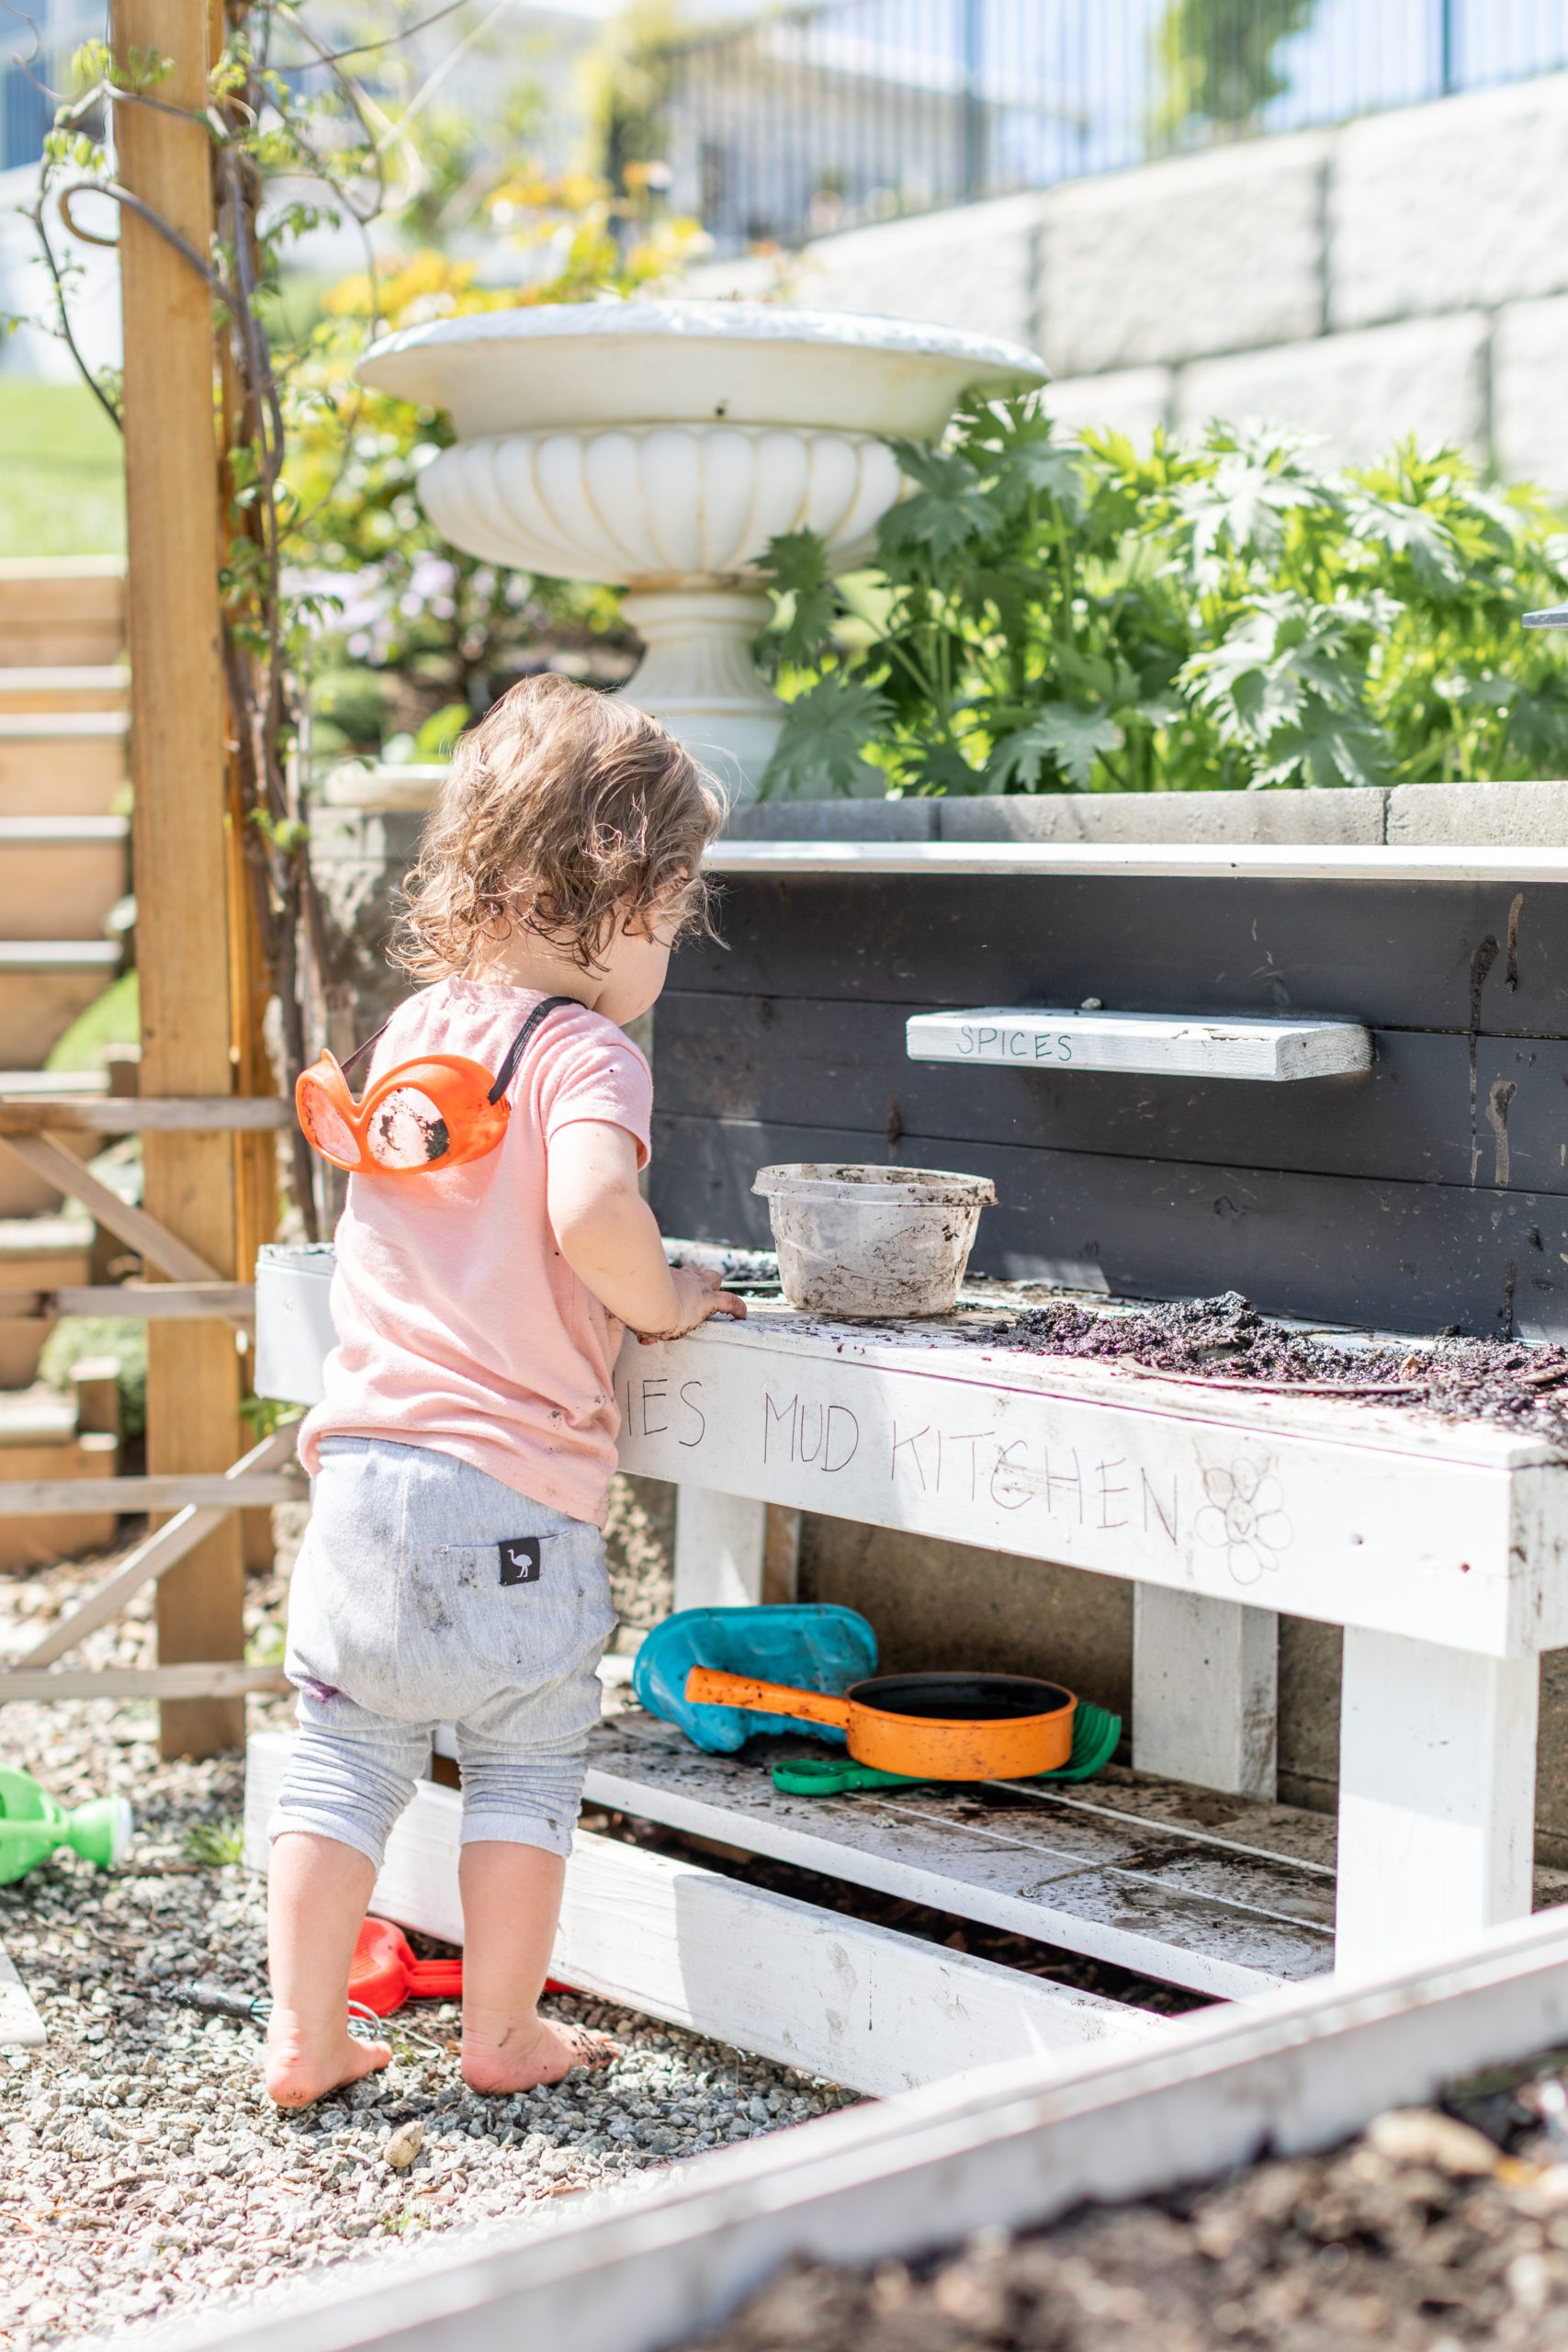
1438, 1546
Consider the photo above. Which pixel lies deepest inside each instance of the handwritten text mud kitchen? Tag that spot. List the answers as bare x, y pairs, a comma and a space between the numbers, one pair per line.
827, 1452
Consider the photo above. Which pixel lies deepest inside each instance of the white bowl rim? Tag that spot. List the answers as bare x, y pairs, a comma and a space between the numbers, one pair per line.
811, 1180
715, 322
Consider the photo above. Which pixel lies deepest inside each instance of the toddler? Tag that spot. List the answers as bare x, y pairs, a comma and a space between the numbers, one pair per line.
454, 1569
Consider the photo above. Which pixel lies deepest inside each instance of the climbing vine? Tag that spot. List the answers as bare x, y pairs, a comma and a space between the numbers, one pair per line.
293, 148
317, 477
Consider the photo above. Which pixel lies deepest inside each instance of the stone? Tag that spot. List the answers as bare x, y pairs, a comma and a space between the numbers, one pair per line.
404, 2145
1432, 209
1420, 2135
1530, 422
1479, 816
358, 858
1312, 816
1213, 253
1124, 400
1355, 394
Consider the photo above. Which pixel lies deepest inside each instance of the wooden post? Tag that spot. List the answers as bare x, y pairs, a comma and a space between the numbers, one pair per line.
1436, 1796
178, 743
249, 989
1205, 1678
721, 1547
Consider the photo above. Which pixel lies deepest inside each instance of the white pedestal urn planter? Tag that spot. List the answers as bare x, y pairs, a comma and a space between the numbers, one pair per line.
662, 445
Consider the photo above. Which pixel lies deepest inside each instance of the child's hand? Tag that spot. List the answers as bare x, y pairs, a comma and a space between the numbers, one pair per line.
606, 1234
697, 1296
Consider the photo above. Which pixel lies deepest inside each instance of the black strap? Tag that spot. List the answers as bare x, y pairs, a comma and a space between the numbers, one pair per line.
360, 1051
509, 1066
508, 1069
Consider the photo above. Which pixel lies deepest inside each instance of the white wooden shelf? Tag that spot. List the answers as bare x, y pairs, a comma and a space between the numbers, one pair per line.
21, 2028
1023, 1037
1337, 1508
1130, 1886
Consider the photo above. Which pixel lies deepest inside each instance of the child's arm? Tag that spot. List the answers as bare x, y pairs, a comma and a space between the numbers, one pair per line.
609, 1238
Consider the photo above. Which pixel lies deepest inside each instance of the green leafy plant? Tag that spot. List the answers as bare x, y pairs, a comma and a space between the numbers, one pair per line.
214, 1844
1047, 615
266, 1644
76, 1338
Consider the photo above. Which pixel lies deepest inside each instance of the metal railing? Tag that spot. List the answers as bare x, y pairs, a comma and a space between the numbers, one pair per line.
824, 117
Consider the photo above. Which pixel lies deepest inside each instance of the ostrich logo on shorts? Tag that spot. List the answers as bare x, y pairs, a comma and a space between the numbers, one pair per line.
520, 1560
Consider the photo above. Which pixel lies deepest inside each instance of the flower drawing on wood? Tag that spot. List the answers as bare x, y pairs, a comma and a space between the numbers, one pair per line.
1245, 1518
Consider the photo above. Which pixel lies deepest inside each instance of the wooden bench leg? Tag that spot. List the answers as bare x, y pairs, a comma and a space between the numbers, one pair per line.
1204, 1689
720, 1548
1436, 1795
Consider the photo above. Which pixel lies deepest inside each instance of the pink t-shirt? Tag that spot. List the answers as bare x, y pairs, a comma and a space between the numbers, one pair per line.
459, 1323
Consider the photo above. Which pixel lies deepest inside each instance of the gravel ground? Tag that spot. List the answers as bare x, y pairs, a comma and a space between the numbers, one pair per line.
1422, 2234
138, 2157
640, 1544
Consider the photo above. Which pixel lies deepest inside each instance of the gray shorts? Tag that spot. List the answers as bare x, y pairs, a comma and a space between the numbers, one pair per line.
426, 1593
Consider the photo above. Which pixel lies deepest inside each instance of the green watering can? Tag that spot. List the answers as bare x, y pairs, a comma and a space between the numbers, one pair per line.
32, 1826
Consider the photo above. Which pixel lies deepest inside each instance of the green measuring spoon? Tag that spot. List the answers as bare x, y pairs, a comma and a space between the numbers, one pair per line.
1095, 1734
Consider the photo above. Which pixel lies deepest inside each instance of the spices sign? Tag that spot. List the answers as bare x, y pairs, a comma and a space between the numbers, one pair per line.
1177, 1045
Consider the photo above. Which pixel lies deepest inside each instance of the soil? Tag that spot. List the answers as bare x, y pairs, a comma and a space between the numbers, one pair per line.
1435, 2230
1228, 1342
1225, 1342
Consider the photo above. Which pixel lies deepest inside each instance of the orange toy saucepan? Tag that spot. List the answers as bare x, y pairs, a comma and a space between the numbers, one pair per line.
930, 1726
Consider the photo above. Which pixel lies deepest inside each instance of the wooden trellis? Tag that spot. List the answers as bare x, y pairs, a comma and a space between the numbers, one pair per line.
203, 1503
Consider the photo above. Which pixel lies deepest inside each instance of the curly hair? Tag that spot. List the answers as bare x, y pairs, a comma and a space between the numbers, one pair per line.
564, 810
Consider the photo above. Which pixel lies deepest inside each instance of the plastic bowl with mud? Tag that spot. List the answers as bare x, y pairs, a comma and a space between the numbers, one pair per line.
873, 1243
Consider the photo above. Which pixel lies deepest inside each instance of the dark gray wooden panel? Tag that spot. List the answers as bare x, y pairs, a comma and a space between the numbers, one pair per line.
1417, 955
1416, 1116
1406, 1256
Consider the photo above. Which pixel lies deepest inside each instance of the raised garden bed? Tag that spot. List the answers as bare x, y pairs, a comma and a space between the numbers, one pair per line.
963, 2181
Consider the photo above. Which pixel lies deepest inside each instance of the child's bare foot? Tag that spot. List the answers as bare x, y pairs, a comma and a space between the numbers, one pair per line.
518, 2054
302, 2067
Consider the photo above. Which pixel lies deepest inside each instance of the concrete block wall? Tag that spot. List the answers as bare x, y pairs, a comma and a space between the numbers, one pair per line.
1408, 273
1410, 816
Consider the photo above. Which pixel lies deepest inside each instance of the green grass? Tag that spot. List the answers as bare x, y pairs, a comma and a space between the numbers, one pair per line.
61, 476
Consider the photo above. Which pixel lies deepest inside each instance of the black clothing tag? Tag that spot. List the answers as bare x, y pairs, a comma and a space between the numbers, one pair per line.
520, 1560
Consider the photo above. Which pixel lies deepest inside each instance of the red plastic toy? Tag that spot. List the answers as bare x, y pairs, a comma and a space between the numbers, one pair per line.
384, 1972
